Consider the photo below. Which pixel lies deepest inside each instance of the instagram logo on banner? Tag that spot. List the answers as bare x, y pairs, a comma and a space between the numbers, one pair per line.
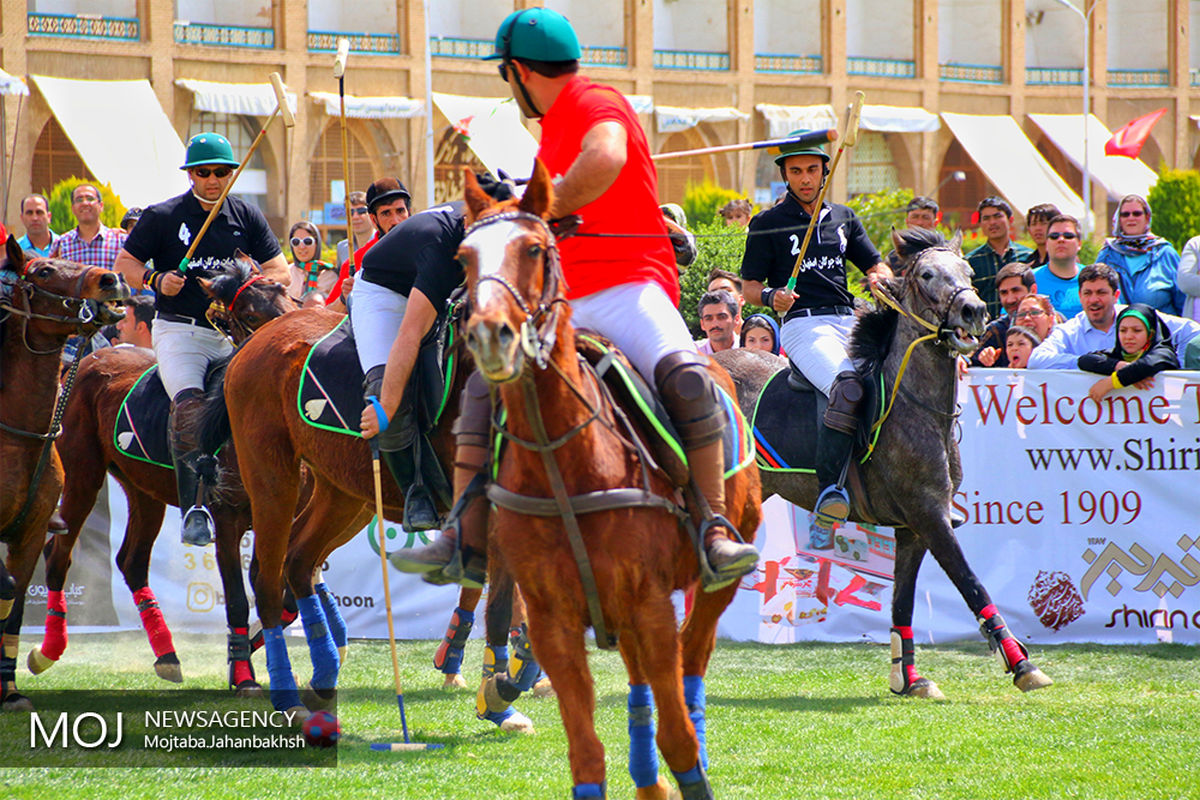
201, 597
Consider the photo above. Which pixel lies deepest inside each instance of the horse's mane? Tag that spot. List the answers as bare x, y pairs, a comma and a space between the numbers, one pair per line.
872, 336
227, 280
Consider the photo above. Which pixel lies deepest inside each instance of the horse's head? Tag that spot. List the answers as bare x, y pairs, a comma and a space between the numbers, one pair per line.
247, 298
934, 285
514, 280
59, 297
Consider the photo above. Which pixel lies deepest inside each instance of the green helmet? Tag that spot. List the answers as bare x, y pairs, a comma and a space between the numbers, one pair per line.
788, 150
209, 148
538, 34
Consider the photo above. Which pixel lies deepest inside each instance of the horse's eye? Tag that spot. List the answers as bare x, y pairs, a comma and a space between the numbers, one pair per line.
45, 272
927, 275
535, 251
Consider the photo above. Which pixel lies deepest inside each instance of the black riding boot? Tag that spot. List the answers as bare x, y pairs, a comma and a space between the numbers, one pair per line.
835, 446
198, 527
400, 448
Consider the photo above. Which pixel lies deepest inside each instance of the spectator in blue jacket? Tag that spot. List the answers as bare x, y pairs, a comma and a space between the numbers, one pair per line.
1147, 264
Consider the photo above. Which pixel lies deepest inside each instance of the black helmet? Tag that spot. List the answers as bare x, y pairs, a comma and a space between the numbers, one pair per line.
385, 190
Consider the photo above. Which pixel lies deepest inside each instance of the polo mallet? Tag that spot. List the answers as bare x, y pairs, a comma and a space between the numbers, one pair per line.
849, 139
281, 109
339, 72
407, 744
808, 139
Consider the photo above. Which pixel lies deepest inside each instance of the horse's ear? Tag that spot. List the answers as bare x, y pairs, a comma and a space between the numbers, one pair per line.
247, 263
895, 239
956, 241
539, 194
207, 285
477, 199
14, 256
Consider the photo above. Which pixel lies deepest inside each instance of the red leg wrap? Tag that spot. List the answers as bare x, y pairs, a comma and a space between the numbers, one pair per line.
241, 671
55, 640
1013, 654
153, 622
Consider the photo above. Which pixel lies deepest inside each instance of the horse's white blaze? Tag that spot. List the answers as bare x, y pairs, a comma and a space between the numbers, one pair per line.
490, 244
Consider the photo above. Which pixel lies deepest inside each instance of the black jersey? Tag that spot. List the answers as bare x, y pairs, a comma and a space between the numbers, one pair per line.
165, 231
770, 257
420, 253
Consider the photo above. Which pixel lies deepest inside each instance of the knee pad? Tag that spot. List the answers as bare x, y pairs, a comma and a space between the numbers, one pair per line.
845, 397
474, 424
690, 397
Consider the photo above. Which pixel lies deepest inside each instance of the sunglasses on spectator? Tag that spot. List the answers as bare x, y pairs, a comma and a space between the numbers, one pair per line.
1062, 235
1033, 312
360, 210
1125, 214
204, 172
307, 241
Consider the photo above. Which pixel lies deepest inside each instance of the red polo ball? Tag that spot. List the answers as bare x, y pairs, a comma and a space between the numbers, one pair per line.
322, 729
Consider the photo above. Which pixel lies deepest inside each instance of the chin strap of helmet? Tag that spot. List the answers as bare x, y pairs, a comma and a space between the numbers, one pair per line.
515, 77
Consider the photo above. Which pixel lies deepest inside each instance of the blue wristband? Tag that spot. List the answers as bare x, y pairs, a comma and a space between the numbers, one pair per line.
380, 414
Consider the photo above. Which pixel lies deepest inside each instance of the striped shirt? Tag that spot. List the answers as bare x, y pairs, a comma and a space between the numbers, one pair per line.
101, 251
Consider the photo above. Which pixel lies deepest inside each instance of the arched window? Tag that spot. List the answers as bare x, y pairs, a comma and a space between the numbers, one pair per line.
675, 174
240, 131
325, 168
450, 156
871, 166
958, 199
55, 159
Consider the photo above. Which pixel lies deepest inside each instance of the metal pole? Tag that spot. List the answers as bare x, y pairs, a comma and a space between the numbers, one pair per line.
429, 199
1087, 177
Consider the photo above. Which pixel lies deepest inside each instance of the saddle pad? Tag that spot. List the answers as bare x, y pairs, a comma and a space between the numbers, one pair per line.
141, 428
643, 404
331, 396
785, 427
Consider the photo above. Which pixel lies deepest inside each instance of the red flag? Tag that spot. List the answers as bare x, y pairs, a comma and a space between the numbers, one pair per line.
1128, 140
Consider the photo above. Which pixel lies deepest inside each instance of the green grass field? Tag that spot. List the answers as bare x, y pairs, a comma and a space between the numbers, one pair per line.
801, 721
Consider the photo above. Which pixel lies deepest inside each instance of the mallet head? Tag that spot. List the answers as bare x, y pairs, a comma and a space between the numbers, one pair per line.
285, 111
339, 61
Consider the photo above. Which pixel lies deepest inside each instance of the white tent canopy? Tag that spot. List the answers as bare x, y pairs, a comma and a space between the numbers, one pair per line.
11, 84
1000, 148
782, 120
251, 99
1119, 175
493, 129
642, 103
370, 107
142, 163
898, 119
671, 119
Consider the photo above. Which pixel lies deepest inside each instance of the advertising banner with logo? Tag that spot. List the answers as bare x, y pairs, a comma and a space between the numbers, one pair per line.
1079, 525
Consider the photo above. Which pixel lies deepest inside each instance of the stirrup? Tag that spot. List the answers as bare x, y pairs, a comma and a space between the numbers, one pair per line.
831, 509
420, 514
198, 534
743, 562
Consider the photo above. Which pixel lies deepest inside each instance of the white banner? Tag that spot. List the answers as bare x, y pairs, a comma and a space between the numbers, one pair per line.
1079, 527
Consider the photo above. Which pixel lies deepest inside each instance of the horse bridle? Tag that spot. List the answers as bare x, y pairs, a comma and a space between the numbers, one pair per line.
539, 329
80, 310
942, 329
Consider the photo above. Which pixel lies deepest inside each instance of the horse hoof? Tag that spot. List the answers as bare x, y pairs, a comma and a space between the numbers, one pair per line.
659, 791
543, 688
16, 702
454, 681
1031, 678
517, 723
925, 689
247, 689
167, 667
298, 715
318, 699
38, 662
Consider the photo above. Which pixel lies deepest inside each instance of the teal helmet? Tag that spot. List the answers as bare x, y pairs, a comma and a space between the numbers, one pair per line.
209, 148
788, 150
538, 34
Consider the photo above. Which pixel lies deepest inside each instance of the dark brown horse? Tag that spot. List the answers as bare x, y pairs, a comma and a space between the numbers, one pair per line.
42, 303
89, 452
565, 439
908, 481
257, 405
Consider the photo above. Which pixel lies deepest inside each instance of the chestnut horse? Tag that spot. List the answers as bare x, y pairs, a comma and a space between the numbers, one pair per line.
907, 483
42, 303
566, 441
256, 403
87, 445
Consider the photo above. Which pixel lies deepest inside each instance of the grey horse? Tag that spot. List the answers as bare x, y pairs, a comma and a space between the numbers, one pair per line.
908, 481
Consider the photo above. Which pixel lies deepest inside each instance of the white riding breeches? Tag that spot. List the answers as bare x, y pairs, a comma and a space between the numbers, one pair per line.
639, 319
375, 317
184, 352
817, 346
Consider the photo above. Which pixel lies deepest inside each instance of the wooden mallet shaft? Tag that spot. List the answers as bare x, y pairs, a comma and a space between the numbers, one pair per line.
339, 72
808, 139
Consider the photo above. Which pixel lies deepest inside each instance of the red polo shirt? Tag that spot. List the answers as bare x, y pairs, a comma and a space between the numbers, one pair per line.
630, 205
335, 293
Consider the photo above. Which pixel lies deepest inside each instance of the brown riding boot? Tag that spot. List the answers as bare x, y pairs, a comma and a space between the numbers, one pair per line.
729, 558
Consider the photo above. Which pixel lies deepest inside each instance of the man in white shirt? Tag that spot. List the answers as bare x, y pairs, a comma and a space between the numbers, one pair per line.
718, 320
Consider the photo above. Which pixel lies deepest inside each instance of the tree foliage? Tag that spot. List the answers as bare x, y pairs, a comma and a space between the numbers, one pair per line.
702, 201
1175, 201
61, 217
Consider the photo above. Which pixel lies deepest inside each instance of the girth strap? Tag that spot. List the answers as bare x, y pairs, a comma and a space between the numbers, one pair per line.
602, 500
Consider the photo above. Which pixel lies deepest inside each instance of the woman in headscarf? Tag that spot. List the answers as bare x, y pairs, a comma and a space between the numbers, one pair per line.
309, 273
1147, 263
760, 332
1143, 349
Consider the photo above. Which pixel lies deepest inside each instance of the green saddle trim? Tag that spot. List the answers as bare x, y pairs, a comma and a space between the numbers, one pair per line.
121, 413
304, 378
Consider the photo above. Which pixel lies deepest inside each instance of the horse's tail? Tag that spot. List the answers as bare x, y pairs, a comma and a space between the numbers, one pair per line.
214, 429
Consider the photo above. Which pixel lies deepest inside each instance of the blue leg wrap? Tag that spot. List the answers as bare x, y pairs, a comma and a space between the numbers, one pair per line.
643, 754
321, 649
449, 655
497, 717
693, 695
693, 784
582, 790
523, 669
284, 694
333, 614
